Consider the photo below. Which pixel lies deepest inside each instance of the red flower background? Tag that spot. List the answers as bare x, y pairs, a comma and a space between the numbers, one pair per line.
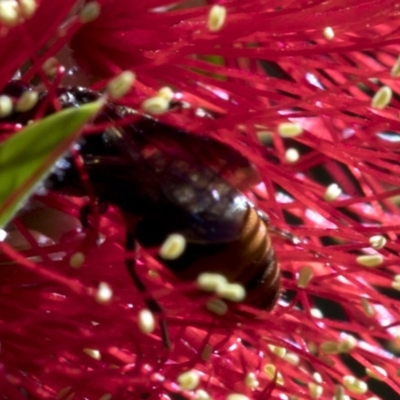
271, 63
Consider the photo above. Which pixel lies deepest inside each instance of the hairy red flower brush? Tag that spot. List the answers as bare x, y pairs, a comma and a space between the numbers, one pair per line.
308, 92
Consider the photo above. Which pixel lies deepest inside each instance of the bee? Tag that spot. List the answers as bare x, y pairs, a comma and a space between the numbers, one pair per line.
166, 180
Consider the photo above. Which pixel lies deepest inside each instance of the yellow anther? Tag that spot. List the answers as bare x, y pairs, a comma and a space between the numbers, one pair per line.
216, 18
146, 321
370, 260
382, 98
289, 129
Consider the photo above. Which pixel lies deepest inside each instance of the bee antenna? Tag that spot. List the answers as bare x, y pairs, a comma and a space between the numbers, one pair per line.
152, 304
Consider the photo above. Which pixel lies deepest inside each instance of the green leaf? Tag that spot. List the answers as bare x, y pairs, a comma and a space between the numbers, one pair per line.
27, 156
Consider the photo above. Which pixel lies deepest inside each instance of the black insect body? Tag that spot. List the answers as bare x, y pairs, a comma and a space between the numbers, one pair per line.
172, 181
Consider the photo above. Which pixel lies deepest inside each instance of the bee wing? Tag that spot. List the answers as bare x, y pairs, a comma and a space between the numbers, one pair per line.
203, 151
190, 183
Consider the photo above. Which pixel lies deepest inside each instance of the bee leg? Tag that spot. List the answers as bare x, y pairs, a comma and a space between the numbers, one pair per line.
284, 235
84, 214
150, 302
87, 211
277, 231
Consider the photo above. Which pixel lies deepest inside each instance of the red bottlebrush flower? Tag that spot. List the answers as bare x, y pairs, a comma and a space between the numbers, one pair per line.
306, 91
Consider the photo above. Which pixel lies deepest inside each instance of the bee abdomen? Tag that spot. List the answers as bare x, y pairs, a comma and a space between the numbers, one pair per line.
248, 260
261, 275
264, 287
